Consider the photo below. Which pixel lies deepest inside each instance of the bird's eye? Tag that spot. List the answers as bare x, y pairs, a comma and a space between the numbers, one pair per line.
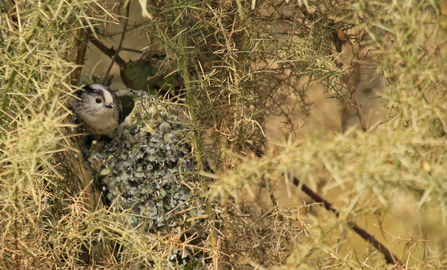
98, 100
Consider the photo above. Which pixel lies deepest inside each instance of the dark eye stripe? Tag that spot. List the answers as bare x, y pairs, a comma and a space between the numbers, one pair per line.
95, 91
92, 91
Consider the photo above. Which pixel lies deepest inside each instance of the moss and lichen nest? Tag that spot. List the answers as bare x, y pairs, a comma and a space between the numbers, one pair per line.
150, 169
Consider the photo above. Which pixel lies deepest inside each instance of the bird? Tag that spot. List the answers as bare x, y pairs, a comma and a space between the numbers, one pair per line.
98, 108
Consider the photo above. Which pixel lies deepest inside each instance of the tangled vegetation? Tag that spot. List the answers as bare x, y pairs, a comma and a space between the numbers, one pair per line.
230, 67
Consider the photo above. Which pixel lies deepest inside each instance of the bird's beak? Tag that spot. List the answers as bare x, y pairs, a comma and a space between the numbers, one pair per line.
110, 106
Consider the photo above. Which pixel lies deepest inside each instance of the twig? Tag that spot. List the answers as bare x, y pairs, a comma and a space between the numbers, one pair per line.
389, 256
351, 79
121, 40
110, 52
131, 28
131, 50
340, 241
358, 109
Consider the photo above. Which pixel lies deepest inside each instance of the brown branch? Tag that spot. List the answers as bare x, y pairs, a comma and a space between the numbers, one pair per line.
110, 52
80, 48
389, 256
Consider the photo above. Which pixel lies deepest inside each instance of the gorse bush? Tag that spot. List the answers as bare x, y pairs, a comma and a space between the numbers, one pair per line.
234, 65
35, 62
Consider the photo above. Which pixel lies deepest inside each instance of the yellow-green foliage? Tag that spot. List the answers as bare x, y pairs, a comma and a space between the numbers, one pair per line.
34, 64
399, 164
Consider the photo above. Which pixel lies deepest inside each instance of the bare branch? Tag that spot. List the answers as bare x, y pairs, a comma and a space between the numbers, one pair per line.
389, 256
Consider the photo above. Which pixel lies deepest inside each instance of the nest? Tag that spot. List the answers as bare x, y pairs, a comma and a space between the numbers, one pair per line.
150, 173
